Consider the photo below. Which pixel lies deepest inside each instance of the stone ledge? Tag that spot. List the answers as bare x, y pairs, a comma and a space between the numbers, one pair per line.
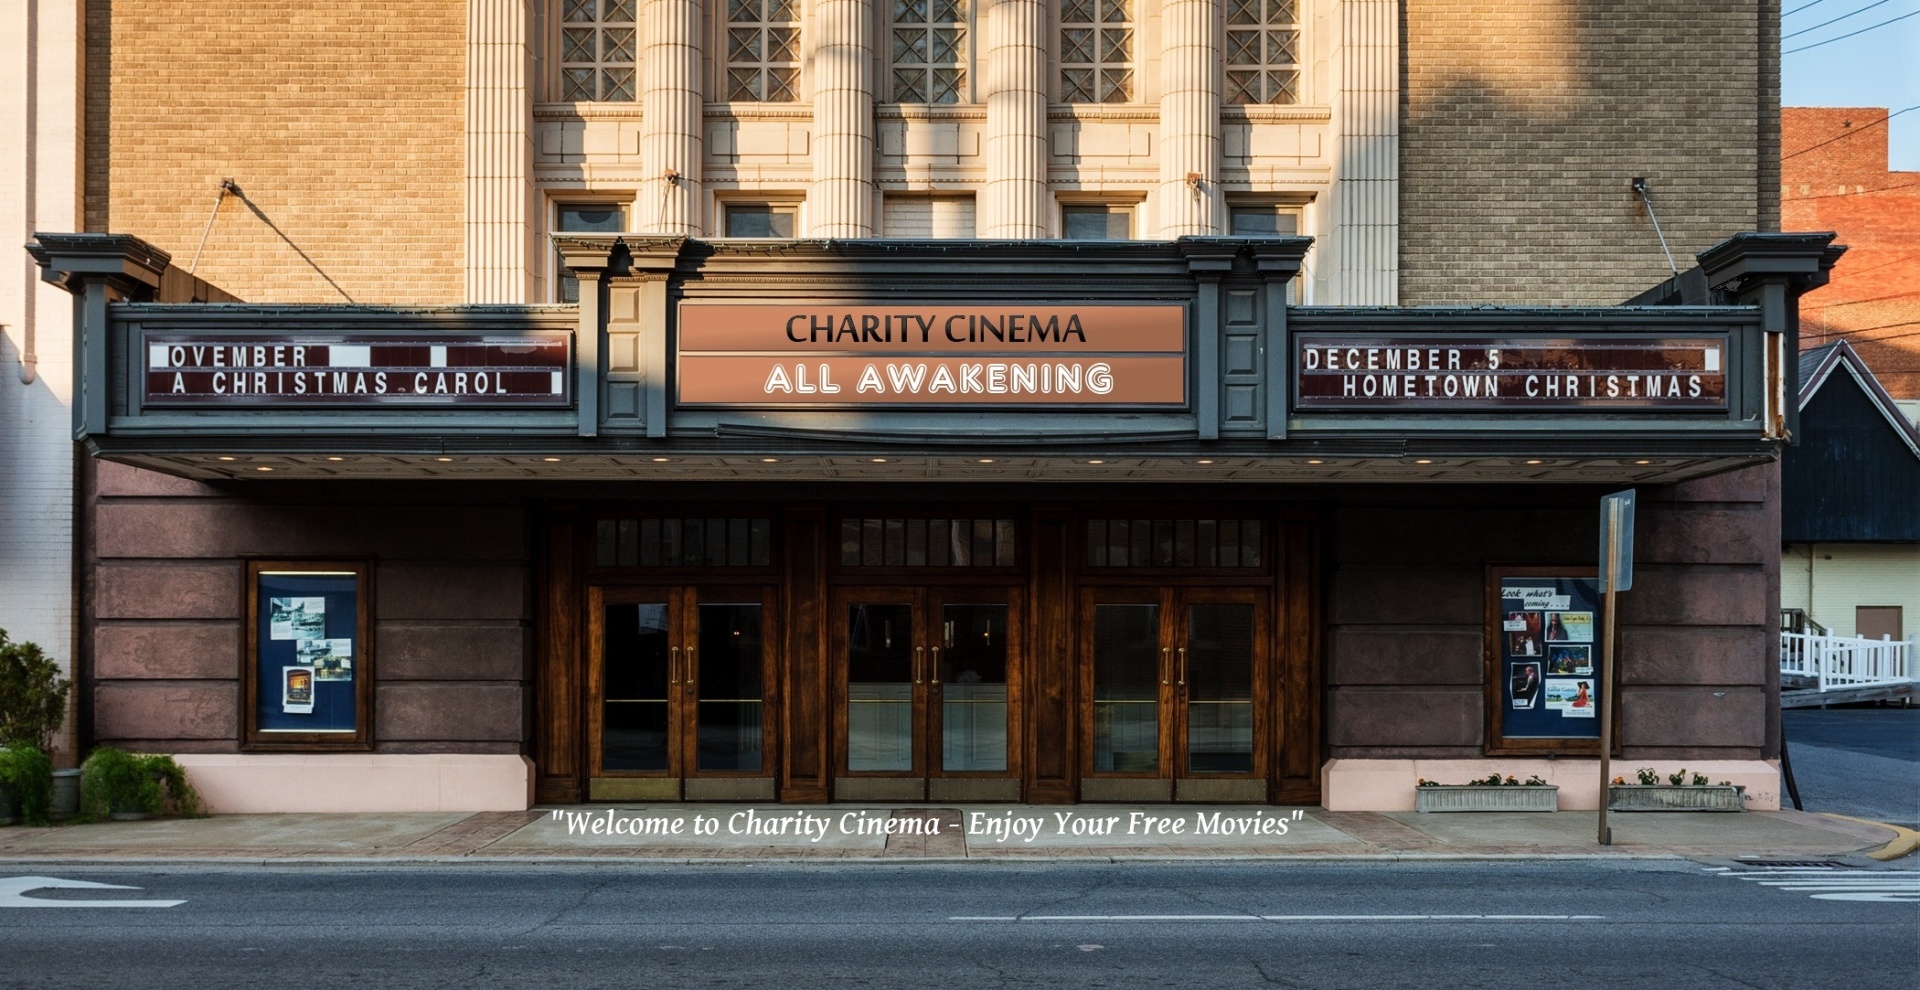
257, 783
1387, 785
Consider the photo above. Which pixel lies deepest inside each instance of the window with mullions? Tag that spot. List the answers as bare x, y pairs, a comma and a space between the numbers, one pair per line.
763, 50
1263, 51
684, 542
927, 543
597, 48
1212, 543
1096, 51
929, 51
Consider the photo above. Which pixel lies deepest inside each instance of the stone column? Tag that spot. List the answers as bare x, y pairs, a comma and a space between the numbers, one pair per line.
840, 203
500, 198
1014, 202
670, 131
1189, 201
1362, 253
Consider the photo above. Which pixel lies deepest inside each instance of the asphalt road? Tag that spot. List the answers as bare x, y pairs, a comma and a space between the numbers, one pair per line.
1667, 924
1857, 761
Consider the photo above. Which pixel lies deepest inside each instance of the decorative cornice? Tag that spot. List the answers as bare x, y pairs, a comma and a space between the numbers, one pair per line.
758, 111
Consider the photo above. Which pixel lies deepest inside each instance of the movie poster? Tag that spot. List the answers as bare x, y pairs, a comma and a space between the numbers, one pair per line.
331, 659
298, 618
296, 690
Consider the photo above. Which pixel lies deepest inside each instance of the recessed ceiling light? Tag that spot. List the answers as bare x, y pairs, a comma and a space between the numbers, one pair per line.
661, 460
879, 460
1643, 462
1096, 462
1316, 462
225, 457
1423, 461
1204, 460
444, 460
769, 460
986, 460
263, 467
1533, 462
336, 458
551, 460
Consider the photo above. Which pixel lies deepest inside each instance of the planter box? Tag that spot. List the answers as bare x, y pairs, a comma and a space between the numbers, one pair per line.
1676, 797
1487, 797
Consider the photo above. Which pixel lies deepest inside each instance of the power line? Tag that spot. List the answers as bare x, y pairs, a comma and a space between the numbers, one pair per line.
1856, 130
1842, 17
1802, 7
1844, 37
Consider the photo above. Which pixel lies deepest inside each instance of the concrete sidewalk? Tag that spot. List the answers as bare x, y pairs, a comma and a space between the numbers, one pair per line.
664, 833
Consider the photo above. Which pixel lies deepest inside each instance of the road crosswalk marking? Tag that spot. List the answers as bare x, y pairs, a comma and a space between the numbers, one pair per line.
1826, 883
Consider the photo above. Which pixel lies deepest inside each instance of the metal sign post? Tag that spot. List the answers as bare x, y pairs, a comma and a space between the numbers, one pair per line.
1616, 574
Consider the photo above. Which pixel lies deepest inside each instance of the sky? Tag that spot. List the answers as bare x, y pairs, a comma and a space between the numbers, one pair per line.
1878, 68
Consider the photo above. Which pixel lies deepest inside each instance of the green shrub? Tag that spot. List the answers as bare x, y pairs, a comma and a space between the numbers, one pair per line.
30, 774
114, 781
33, 696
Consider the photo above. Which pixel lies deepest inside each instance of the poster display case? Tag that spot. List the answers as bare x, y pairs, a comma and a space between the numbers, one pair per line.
1543, 657
309, 659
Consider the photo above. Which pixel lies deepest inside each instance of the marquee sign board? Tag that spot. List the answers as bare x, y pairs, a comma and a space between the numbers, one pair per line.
293, 370
915, 356
1441, 372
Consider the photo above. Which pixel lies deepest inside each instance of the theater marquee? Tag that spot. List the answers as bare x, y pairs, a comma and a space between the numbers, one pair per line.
1511, 373
908, 355
193, 370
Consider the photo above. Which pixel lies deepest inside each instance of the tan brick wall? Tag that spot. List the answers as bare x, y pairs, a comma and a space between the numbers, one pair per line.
341, 122
1522, 124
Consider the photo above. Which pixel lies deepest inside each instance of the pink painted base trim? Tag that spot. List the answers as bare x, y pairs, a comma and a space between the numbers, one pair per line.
1387, 785
265, 783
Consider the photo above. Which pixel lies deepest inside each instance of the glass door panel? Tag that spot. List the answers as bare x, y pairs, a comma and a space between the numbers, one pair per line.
635, 661
973, 687
1126, 688
880, 682
1216, 673
729, 690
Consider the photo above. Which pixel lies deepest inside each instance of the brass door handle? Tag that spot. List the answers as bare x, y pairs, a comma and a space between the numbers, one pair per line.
933, 669
1183, 666
689, 671
673, 665
919, 662
1165, 672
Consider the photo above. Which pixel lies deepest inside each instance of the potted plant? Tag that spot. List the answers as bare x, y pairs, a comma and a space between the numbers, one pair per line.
1681, 792
33, 703
1494, 793
127, 786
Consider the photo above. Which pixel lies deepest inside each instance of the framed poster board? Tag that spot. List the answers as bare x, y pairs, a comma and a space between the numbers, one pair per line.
1543, 660
309, 659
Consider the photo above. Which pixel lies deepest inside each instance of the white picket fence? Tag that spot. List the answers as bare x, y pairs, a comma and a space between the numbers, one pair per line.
1838, 662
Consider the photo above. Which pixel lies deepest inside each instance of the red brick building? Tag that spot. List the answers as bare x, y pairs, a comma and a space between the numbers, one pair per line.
1834, 176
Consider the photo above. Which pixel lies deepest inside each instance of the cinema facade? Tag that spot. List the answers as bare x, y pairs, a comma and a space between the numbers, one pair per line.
901, 521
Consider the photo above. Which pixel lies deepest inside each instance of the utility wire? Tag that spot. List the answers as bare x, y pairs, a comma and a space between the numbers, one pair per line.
1842, 17
1863, 192
1802, 7
1844, 37
1856, 130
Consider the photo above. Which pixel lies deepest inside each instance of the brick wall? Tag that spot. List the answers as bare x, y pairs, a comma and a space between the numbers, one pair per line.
1405, 615
1834, 176
341, 122
163, 595
1522, 125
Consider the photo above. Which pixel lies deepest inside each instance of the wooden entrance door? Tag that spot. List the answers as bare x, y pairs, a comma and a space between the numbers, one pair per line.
925, 693
679, 705
1173, 682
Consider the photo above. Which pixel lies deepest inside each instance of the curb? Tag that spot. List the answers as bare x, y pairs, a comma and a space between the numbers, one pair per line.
1905, 840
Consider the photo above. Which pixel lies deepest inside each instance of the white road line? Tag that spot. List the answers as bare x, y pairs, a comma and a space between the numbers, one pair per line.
1825, 883
13, 893
1282, 917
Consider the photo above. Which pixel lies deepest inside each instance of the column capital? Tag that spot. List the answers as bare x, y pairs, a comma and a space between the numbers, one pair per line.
129, 266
